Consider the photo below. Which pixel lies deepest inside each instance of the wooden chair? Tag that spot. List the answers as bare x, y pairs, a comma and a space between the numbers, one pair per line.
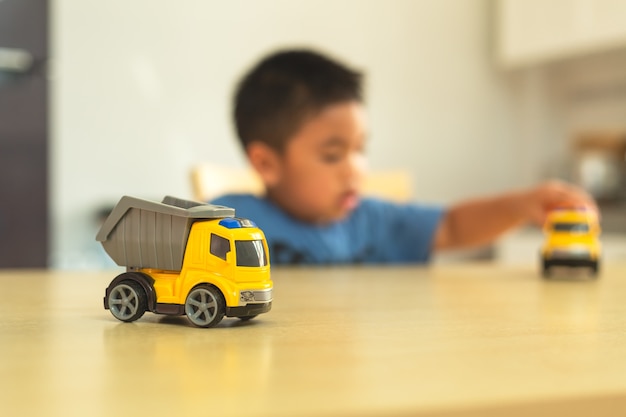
210, 181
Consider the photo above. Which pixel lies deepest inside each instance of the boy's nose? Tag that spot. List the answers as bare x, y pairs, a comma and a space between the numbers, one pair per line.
356, 167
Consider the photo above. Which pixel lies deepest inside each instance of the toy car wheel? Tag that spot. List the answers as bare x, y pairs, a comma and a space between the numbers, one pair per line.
205, 306
127, 301
546, 268
594, 269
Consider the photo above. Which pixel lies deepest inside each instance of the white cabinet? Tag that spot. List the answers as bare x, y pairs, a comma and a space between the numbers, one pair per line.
536, 31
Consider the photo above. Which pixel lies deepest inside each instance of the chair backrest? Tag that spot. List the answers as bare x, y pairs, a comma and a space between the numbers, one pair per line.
389, 185
210, 181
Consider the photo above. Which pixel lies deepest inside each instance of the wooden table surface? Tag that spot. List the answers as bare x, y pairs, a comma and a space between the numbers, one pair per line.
471, 340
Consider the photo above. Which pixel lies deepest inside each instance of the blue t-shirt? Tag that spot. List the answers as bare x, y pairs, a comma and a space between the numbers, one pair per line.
375, 232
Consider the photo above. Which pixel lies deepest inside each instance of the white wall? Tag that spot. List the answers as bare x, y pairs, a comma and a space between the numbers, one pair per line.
142, 91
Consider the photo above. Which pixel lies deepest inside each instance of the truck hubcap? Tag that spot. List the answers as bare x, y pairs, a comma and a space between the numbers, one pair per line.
201, 306
123, 301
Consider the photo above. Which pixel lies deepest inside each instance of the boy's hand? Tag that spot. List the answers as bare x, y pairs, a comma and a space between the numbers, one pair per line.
481, 221
551, 195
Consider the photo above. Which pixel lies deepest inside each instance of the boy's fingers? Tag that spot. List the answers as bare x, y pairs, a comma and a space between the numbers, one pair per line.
562, 195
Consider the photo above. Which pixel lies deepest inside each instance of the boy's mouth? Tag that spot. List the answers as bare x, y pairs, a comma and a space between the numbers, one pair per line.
349, 200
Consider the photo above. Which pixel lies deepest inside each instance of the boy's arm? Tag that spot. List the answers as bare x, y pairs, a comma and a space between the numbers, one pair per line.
480, 221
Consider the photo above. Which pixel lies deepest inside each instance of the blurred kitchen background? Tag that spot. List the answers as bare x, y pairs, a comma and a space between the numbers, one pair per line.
104, 98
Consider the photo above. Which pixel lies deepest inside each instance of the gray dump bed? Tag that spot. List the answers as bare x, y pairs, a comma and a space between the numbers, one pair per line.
146, 234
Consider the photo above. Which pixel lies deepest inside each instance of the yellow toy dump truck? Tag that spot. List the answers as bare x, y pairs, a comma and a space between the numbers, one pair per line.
185, 257
571, 240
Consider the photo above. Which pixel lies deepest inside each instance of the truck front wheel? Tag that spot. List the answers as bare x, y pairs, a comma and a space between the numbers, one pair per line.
205, 306
127, 301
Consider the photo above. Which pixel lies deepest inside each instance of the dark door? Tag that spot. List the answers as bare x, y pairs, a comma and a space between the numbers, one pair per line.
23, 133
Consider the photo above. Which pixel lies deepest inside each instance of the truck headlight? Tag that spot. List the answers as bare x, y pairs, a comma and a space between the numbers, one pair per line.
255, 296
247, 296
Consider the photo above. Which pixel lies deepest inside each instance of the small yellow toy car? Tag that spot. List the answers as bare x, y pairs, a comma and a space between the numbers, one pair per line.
571, 240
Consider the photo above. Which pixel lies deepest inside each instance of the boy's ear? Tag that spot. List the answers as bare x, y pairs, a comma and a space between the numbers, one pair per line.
266, 161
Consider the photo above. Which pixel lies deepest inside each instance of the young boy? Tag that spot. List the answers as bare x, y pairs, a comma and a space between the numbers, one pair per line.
299, 116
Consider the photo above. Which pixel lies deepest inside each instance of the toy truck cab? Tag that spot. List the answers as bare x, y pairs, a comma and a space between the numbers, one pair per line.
571, 240
184, 257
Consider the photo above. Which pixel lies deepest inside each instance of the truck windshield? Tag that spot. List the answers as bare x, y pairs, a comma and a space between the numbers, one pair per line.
250, 253
571, 227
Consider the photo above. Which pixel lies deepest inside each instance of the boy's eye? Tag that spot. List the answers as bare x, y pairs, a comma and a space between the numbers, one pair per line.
330, 158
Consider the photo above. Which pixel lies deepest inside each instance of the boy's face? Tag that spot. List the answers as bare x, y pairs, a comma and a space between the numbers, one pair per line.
319, 173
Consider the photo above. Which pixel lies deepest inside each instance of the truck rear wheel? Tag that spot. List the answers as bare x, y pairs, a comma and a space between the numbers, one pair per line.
127, 301
205, 306
545, 268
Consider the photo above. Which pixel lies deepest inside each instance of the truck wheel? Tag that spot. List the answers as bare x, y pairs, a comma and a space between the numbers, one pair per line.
127, 301
545, 268
205, 306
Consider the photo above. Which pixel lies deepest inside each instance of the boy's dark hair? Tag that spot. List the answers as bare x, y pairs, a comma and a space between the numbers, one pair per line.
277, 95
